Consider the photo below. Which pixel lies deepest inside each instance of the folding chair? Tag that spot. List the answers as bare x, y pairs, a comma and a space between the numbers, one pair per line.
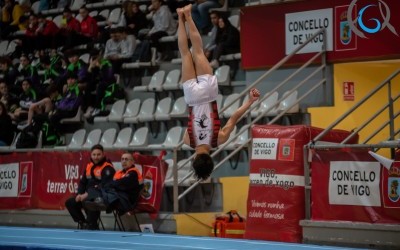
118, 220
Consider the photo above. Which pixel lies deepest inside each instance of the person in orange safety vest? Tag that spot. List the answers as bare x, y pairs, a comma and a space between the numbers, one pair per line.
122, 193
97, 174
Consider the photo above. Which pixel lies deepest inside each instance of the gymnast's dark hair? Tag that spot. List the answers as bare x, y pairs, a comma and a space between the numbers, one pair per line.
203, 166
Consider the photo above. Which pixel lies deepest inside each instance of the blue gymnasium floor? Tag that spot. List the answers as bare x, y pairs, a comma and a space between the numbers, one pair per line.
18, 238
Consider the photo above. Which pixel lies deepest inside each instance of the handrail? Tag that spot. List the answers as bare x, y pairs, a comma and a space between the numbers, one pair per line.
372, 92
392, 116
276, 66
367, 122
380, 129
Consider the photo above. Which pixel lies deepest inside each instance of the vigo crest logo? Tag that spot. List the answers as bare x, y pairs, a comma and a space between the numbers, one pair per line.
393, 186
379, 24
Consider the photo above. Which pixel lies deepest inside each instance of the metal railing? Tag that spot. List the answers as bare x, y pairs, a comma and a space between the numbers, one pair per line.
392, 115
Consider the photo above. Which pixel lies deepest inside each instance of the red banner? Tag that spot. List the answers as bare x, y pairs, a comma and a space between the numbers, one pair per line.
16, 181
275, 202
270, 32
154, 171
46, 180
353, 186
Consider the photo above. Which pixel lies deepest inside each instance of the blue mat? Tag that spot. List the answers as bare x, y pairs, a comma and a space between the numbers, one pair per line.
18, 238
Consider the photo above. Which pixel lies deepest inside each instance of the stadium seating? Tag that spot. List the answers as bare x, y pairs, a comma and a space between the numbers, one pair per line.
140, 138
271, 101
77, 140
223, 75
108, 138
288, 101
75, 119
233, 107
172, 80
163, 110
92, 139
180, 109
116, 113
174, 136
155, 83
146, 110
123, 138
132, 109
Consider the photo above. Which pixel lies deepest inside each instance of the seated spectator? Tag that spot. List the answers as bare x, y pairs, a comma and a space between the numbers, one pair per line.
8, 99
76, 67
26, 99
27, 44
123, 192
119, 48
200, 14
70, 27
97, 174
18, 20
43, 107
57, 61
69, 103
9, 73
132, 18
89, 28
100, 76
163, 25
50, 76
27, 71
41, 34
113, 45
6, 15
227, 41
88, 32
47, 33
209, 48
6, 135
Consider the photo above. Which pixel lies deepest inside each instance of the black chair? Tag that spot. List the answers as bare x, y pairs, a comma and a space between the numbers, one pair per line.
96, 206
118, 220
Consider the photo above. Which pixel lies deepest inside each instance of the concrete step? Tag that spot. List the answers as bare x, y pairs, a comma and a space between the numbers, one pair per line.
164, 223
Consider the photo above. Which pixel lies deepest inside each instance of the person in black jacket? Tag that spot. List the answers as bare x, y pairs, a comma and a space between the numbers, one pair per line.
97, 174
123, 192
227, 41
6, 135
133, 18
10, 74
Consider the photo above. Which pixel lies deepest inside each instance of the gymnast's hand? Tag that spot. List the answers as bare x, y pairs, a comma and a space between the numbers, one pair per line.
254, 95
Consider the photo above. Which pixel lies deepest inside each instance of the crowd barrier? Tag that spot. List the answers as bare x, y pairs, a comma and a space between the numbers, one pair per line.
348, 185
44, 180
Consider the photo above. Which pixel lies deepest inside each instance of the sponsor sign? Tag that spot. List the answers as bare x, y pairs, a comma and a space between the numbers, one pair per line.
353, 186
354, 183
9, 180
300, 26
264, 148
